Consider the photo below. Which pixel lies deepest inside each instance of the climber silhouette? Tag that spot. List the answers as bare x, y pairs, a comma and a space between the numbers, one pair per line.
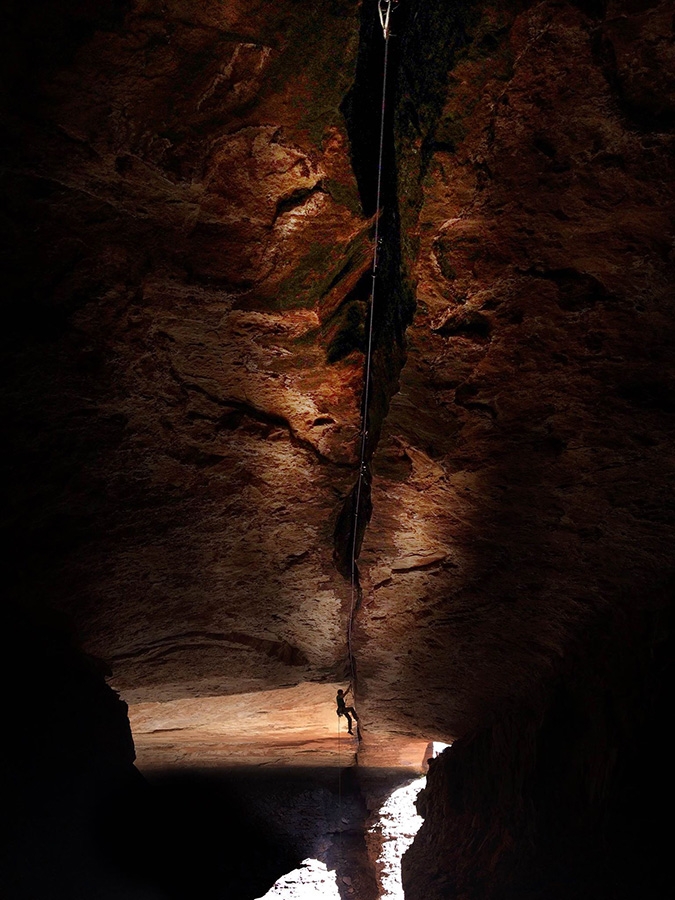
344, 710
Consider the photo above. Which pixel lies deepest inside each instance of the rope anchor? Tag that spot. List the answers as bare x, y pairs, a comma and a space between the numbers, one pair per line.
384, 11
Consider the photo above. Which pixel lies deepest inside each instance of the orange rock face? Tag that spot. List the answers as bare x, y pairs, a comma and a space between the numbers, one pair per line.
519, 486
200, 233
188, 275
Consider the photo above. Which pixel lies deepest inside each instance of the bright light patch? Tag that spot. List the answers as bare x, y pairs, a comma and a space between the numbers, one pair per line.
437, 747
312, 881
398, 823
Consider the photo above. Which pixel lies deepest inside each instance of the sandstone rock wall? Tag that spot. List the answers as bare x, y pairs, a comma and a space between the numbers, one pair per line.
521, 540
523, 483
184, 240
187, 216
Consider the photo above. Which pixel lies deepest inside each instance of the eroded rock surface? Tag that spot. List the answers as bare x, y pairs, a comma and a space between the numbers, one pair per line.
187, 258
523, 481
191, 233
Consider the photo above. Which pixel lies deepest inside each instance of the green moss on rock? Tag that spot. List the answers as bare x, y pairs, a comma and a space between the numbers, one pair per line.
319, 270
346, 195
349, 331
310, 39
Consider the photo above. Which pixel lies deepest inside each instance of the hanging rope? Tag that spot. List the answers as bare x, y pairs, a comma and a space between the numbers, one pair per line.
339, 787
384, 8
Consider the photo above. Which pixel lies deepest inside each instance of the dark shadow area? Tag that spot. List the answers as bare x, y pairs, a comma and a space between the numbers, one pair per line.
79, 821
586, 806
67, 748
362, 105
202, 834
231, 833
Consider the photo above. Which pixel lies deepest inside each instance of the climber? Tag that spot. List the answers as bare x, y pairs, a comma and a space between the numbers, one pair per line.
344, 710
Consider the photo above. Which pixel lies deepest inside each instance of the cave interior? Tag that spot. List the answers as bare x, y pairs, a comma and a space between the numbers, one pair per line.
210, 526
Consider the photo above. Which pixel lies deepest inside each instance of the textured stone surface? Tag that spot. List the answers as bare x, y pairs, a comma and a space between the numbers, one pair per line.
524, 481
186, 269
196, 442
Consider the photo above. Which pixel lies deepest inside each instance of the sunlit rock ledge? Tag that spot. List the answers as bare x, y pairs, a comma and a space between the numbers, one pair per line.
296, 726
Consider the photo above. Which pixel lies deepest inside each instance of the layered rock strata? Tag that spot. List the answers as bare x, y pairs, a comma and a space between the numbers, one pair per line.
521, 540
187, 226
522, 489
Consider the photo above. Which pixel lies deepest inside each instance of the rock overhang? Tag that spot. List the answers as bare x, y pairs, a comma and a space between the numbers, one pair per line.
185, 416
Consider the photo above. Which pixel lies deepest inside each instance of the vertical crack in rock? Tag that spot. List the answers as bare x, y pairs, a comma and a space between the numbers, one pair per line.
425, 37
393, 303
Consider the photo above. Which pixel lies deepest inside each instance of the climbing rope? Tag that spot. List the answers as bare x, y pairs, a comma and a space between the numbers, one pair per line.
384, 8
339, 786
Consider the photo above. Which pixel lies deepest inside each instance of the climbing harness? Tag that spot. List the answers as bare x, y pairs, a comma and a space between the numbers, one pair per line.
384, 8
